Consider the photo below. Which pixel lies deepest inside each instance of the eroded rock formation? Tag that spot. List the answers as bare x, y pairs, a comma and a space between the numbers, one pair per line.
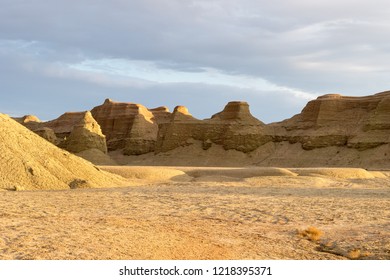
335, 120
331, 121
73, 131
233, 128
28, 162
48, 134
85, 134
128, 126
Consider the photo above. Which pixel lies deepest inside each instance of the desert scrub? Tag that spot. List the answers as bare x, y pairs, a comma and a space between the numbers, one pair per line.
311, 233
354, 254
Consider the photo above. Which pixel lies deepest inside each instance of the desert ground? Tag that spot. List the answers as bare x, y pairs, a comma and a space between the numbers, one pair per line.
205, 213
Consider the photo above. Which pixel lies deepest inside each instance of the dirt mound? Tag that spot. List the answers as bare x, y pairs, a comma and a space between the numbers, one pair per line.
148, 173
237, 172
341, 173
217, 179
29, 162
291, 182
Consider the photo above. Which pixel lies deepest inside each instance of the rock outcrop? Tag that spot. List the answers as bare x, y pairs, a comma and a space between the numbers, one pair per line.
232, 128
77, 131
30, 121
161, 114
332, 121
128, 126
237, 112
28, 162
84, 135
48, 134
73, 131
335, 120
141, 138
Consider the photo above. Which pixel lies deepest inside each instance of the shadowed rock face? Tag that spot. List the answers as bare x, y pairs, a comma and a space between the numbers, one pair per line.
142, 136
34, 124
64, 124
161, 114
48, 134
30, 121
233, 128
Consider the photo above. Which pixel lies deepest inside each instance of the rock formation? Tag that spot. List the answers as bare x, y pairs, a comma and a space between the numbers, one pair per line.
127, 126
161, 114
335, 120
48, 134
237, 112
340, 123
84, 135
73, 131
28, 162
232, 128
142, 135
30, 121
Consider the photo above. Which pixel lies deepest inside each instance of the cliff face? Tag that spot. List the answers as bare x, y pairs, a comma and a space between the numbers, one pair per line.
232, 128
348, 124
127, 126
335, 120
138, 130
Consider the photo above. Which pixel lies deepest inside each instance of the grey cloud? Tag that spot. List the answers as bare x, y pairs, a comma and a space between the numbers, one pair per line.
30, 92
79, 97
318, 46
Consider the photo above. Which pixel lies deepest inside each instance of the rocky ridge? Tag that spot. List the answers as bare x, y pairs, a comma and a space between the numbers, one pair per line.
330, 121
335, 120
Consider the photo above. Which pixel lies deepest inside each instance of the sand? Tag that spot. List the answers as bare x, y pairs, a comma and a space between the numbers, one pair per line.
29, 162
215, 213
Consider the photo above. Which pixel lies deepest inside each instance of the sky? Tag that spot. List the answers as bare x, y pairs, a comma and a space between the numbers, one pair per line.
69, 55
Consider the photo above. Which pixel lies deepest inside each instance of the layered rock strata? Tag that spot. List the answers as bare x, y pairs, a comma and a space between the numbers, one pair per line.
232, 128
335, 120
332, 120
128, 126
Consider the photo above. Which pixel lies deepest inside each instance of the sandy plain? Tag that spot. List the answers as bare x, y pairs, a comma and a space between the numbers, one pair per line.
205, 213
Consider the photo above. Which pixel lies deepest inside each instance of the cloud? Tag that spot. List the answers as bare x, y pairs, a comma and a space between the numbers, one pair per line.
151, 73
266, 50
34, 84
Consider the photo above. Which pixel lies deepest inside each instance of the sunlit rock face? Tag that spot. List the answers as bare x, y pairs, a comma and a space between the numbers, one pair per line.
336, 120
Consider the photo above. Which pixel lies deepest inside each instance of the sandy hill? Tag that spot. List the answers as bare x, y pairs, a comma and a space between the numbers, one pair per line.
29, 162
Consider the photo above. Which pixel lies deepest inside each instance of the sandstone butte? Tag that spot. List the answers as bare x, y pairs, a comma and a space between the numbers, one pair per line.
332, 130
